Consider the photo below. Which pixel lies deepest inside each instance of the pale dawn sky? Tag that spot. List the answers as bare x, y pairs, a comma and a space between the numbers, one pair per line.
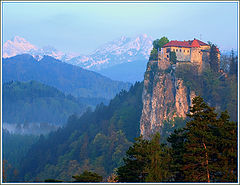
83, 27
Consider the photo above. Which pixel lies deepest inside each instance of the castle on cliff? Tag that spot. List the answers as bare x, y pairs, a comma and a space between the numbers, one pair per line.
194, 51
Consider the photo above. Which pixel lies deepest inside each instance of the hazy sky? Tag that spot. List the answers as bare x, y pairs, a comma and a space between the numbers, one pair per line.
82, 27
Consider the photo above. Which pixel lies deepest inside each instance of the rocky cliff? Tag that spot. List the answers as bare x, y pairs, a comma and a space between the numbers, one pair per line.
164, 97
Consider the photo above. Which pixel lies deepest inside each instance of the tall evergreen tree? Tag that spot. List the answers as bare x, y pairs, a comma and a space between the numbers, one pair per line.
159, 157
205, 150
177, 150
146, 161
173, 57
233, 64
211, 145
199, 143
226, 134
135, 162
214, 62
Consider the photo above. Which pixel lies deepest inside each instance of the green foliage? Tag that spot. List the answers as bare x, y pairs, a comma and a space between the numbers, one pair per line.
210, 43
190, 76
170, 126
205, 150
197, 160
233, 64
27, 102
96, 141
177, 140
173, 57
99, 139
143, 160
159, 155
214, 63
135, 162
15, 147
159, 43
202, 146
227, 145
215, 89
231, 97
87, 176
67, 78
153, 54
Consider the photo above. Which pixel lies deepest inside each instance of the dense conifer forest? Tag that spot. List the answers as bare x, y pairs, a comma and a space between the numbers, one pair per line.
104, 144
34, 102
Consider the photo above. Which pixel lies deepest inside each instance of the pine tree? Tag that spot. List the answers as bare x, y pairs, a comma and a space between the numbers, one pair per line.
146, 161
135, 162
214, 62
226, 134
173, 57
158, 168
177, 150
211, 145
199, 144
233, 64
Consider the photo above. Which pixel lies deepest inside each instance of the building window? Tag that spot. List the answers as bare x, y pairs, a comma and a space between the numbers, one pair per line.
184, 50
188, 51
168, 50
180, 50
176, 49
167, 56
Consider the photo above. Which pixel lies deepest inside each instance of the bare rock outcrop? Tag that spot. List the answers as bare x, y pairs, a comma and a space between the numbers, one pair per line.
164, 97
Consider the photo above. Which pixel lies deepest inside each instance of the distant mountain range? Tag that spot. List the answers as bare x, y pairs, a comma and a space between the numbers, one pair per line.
67, 78
103, 60
19, 45
123, 50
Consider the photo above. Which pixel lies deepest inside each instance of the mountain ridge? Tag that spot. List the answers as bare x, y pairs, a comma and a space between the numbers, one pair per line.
65, 77
122, 50
19, 45
115, 52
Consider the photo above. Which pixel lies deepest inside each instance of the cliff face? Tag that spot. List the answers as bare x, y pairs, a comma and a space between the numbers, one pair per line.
164, 97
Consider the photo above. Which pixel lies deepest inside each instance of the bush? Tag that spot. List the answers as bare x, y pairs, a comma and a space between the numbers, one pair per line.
87, 176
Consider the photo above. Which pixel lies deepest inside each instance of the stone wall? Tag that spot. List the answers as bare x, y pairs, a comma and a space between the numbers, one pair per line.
183, 54
196, 58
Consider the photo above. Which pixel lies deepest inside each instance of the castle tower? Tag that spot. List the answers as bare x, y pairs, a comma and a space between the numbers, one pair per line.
196, 55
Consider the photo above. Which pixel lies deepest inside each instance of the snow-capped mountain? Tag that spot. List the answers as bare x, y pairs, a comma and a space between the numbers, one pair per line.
50, 51
19, 45
120, 51
16, 46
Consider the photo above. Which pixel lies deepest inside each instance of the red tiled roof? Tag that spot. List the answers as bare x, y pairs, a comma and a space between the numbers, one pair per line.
195, 44
178, 44
186, 44
201, 43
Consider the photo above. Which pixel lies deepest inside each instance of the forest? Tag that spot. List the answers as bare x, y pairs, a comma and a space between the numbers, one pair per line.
65, 77
104, 145
34, 102
205, 150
